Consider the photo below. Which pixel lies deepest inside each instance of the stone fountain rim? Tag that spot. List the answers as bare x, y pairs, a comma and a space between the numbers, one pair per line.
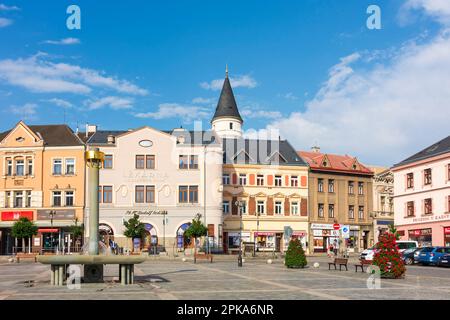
90, 259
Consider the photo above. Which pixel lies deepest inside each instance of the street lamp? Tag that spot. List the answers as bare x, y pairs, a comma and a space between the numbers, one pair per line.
51, 214
257, 231
240, 204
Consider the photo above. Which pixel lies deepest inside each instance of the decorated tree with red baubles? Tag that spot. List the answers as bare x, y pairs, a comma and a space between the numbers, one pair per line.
388, 258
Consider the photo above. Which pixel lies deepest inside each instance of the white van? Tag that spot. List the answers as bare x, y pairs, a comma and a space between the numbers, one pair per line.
402, 245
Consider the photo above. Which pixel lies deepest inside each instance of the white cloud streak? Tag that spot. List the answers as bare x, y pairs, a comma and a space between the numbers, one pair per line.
244, 81
61, 103
115, 103
26, 112
4, 7
66, 41
187, 113
4, 22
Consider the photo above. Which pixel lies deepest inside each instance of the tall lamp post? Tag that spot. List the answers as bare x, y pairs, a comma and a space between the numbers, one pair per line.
240, 204
257, 231
51, 214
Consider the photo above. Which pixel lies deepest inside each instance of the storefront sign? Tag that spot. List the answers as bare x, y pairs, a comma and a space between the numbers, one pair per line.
440, 217
48, 230
68, 214
354, 228
299, 233
447, 230
16, 215
420, 232
264, 233
146, 213
321, 226
326, 233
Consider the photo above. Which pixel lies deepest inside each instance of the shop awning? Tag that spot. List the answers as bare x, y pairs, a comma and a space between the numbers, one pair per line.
48, 230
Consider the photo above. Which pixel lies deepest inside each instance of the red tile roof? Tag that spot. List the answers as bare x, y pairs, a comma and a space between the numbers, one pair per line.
334, 163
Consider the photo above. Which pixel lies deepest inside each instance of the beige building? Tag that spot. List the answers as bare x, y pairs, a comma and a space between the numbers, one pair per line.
383, 200
340, 192
42, 171
265, 185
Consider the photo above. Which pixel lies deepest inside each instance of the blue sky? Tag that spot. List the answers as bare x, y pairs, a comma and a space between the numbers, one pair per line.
302, 67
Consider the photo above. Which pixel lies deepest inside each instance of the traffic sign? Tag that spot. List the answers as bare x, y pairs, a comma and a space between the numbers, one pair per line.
345, 230
336, 226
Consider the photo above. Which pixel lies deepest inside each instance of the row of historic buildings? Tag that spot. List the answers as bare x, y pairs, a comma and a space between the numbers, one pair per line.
264, 190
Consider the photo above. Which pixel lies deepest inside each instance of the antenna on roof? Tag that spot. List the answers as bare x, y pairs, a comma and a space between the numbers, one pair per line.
226, 70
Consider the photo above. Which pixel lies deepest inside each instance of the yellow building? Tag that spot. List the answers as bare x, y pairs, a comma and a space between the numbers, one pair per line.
42, 171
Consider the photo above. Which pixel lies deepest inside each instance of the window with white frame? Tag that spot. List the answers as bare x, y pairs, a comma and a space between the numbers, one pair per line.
226, 207
278, 207
9, 167
360, 188
320, 185
69, 198
243, 207
361, 212
260, 180
331, 211
70, 166
30, 169
351, 212
260, 207
28, 198
331, 185
7, 199
18, 199
242, 179
320, 210
56, 198
57, 167
226, 179
295, 208
278, 181
294, 181
20, 167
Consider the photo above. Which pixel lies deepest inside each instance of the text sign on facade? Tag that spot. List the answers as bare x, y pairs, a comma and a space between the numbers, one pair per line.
68, 214
146, 213
16, 215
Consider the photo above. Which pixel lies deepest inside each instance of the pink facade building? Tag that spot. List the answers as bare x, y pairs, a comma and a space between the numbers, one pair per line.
422, 195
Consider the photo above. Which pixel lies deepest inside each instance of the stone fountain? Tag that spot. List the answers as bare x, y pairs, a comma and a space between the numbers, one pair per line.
93, 262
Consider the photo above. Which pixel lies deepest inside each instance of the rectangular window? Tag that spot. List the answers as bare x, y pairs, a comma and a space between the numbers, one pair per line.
361, 212
331, 211
108, 162
107, 194
360, 188
260, 180
242, 179
428, 206
69, 199
150, 194
243, 207
410, 209
351, 187
183, 194
294, 181
57, 167
193, 194
351, 212
320, 210
331, 185
70, 166
9, 167
260, 207
100, 194
226, 179
183, 162
295, 208
427, 176
150, 161
56, 198
278, 181
410, 180
139, 194
320, 185
7, 199
18, 199
30, 168
140, 162
193, 163
226, 207
448, 203
278, 207
28, 198
20, 168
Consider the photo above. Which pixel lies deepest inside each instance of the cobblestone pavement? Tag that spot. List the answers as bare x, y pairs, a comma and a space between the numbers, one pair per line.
223, 279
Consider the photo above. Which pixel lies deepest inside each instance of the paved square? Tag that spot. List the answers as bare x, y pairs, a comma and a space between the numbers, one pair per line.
165, 278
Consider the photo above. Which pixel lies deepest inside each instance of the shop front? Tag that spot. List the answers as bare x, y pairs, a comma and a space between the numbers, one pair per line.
428, 234
268, 241
447, 236
324, 236
423, 236
8, 244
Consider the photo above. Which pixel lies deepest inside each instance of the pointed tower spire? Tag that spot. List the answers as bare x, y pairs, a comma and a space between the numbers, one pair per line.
226, 70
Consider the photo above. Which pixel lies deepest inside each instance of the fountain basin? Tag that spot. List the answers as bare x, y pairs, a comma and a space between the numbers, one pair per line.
88, 259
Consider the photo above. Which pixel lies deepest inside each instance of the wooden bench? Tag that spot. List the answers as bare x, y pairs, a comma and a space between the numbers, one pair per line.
338, 261
22, 255
361, 264
203, 256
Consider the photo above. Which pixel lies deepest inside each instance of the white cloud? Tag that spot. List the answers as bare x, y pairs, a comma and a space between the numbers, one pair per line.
252, 114
380, 112
61, 103
187, 113
26, 112
66, 41
438, 9
244, 81
5, 22
115, 103
201, 100
4, 7
38, 74
288, 96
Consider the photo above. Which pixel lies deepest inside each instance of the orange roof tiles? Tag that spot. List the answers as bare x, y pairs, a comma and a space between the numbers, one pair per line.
334, 162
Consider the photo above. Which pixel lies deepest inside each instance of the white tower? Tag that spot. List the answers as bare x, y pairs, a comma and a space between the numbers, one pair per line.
227, 122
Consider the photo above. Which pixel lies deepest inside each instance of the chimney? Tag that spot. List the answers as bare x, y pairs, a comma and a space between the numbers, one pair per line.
111, 139
90, 128
315, 149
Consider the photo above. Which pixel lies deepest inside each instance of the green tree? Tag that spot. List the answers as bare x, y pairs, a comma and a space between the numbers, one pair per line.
24, 229
134, 229
393, 230
76, 230
196, 230
295, 255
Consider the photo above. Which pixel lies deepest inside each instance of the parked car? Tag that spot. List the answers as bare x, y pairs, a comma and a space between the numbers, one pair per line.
409, 254
444, 261
369, 253
431, 255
